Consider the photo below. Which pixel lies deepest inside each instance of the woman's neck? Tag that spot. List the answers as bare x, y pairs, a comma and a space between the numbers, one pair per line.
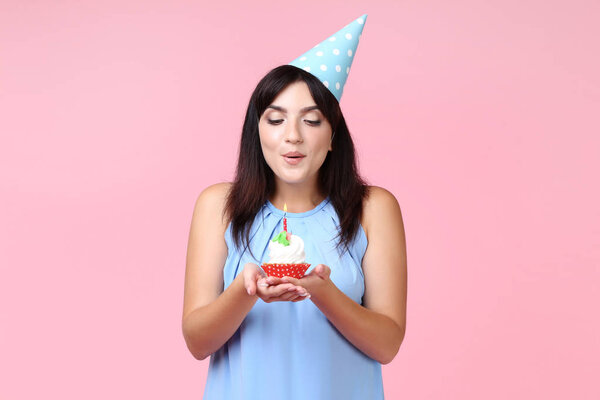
297, 198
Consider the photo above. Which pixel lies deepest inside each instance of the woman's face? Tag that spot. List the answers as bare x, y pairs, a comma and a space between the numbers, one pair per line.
292, 123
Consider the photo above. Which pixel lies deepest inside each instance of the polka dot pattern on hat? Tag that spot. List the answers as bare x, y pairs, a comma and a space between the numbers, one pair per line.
327, 60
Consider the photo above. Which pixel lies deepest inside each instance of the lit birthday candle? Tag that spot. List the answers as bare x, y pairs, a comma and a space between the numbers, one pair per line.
284, 219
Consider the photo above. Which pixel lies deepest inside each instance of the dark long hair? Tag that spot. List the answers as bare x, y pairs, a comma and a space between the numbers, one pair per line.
254, 180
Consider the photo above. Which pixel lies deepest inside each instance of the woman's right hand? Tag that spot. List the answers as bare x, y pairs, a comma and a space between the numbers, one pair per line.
255, 283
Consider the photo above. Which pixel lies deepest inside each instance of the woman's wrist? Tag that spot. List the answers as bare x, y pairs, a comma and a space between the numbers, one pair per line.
323, 290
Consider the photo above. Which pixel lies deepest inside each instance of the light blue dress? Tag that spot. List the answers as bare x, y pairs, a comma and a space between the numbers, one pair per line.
287, 350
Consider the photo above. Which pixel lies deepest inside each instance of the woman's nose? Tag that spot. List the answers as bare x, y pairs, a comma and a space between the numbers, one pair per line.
292, 133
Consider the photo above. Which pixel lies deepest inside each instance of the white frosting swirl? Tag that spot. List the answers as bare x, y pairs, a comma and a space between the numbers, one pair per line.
292, 254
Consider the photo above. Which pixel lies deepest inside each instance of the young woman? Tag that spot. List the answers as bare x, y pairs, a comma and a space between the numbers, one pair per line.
326, 335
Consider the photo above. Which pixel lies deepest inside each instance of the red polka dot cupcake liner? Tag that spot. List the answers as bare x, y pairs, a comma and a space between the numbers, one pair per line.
280, 270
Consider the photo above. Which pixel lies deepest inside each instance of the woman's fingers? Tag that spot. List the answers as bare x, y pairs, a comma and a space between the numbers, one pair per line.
268, 292
286, 296
262, 282
251, 287
276, 291
292, 293
250, 282
252, 273
271, 288
273, 280
282, 292
296, 295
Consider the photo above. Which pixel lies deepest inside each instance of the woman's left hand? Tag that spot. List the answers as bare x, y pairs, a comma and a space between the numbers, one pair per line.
315, 283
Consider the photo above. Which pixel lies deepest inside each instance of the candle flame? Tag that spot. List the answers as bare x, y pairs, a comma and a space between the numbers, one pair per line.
285, 207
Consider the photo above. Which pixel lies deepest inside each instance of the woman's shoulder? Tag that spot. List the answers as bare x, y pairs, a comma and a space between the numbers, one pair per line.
378, 205
214, 197
216, 192
217, 189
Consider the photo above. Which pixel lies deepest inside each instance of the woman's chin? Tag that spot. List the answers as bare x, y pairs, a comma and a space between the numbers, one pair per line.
293, 181
292, 176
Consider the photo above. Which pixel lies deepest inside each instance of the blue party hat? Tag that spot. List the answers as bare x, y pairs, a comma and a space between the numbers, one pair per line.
330, 60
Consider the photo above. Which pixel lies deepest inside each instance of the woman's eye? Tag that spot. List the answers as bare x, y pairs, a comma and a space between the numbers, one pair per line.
278, 121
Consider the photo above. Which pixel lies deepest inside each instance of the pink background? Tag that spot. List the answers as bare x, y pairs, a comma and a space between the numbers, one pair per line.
482, 117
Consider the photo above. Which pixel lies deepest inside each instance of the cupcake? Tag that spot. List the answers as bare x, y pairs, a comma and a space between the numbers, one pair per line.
286, 256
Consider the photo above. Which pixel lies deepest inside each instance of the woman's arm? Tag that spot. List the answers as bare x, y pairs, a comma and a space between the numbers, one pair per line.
210, 315
207, 328
378, 327
374, 333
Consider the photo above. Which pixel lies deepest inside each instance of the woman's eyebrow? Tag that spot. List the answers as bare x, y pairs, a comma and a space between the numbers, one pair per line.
302, 110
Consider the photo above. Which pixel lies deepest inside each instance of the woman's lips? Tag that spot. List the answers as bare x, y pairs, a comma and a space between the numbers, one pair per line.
293, 160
